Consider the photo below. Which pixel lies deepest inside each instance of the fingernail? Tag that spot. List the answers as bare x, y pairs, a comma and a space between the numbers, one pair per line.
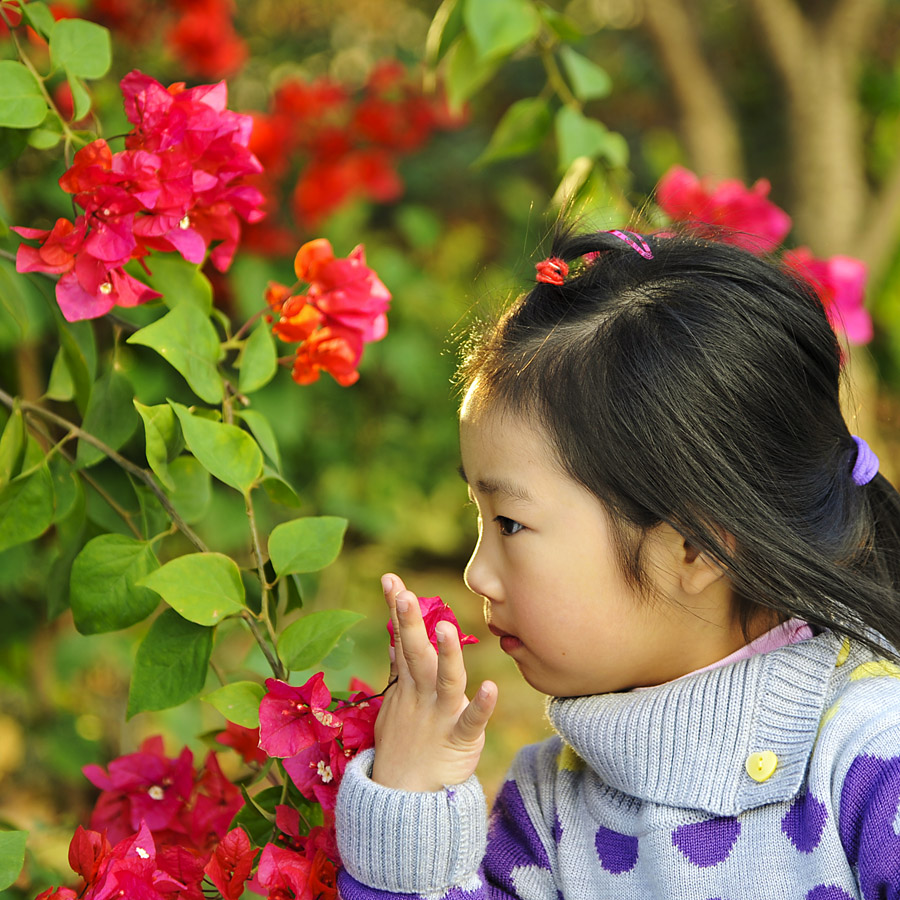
440, 634
392, 654
402, 604
386, 583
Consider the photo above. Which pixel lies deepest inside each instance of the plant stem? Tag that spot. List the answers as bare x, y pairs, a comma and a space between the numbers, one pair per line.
273, 661
246, 326
554, 76
143, 474
265, 588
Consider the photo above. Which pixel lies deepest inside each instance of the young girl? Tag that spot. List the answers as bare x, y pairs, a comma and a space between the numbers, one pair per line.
684, 547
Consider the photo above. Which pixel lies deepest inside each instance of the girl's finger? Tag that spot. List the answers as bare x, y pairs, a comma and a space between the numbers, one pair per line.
387, 584
451, 670
471, 724
415, 648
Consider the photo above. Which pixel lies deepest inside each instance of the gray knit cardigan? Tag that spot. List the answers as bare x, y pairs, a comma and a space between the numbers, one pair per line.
774, 778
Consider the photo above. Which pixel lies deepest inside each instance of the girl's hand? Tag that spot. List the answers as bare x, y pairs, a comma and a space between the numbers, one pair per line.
427, 733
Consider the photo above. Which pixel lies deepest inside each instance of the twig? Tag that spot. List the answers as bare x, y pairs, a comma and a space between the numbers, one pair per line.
273, 661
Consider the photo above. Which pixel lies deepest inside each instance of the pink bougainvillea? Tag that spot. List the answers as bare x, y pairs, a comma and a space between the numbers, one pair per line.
434, 610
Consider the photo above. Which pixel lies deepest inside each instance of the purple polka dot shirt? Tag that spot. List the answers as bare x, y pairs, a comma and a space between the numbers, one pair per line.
659, 794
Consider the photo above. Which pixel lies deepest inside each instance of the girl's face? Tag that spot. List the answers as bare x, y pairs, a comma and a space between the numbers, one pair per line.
554, 592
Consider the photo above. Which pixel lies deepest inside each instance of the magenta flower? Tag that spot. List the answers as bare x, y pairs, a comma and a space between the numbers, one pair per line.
727, 211
229, 867
141, 788
840, 282
434, 610
317, 772
291, 718
282, 874
358, 716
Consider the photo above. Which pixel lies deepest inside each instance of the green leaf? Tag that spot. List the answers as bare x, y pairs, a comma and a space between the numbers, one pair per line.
259, 360
203, 587
238, 702
180, 281
61, 386
498, 27
225, 451
81, 48
307, 544
578, 136
588, 80
66, 487
257, 815
11, 295
163, 440
48, 134
278, 489
265, 436
308, 640
39, 17
444, 28
193, 488
104, 585
523, 126
26, 508
81, 99
466, 72
12, 446
565, 28
109, 416
187, 340
12, 856
77, 340
22, 105
171, 664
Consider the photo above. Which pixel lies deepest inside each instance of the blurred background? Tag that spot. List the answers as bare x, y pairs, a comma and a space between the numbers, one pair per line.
362, 144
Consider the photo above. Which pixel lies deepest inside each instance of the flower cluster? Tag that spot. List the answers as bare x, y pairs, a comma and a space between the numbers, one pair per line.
180, 185
199, 34
434, 610
314, 736
730, 212
348, 143
344, 308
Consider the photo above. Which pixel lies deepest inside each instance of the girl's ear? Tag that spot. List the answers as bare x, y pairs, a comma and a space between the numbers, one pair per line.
698, 570
685, 566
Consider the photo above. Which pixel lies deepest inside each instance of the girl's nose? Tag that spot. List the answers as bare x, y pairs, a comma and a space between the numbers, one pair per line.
479, 576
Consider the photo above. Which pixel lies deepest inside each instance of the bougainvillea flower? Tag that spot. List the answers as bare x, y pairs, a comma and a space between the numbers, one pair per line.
293, 718
230, 865
727, 211
317, 771
840, 282
298, 320
92, 290
144, 787
244, 741
57, 251
282, 874
434, 610
205, 42
60, 893
87, 850
333, 350
358, 715
347, 291
213, 804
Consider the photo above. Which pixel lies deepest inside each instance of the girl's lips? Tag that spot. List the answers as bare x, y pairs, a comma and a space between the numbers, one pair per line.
508, 642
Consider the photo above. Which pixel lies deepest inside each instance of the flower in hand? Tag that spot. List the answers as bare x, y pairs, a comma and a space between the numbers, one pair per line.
434, 610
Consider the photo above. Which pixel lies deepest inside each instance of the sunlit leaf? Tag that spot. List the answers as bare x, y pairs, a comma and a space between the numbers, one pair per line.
12, 856
307, 544
12, 446
187, 340
163, 440
521, 130
225, 451
82, 48
498, 27
466, 72
578, 136
238, 702
22, 105
26, 508
192, 492
203, 587
262, 430
259, 360
308, 640
589, 81
171, 664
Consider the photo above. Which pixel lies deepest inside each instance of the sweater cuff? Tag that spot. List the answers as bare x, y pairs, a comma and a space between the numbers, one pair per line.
408, 841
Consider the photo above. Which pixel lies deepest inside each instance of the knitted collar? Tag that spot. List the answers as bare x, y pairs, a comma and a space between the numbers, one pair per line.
686, 743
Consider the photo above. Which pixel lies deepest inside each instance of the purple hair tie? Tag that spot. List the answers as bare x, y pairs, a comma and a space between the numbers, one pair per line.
635, 241
866, 466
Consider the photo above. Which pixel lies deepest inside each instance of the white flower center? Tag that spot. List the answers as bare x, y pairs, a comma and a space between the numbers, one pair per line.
324, 772
156, 792
185, 223
106, 287
142, 853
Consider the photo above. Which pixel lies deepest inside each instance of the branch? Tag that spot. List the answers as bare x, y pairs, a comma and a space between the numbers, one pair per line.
117, 458
878, 239
709, 128
850, 23
787, 34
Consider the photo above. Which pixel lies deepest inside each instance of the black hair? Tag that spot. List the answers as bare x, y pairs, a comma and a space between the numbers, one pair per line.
700, 388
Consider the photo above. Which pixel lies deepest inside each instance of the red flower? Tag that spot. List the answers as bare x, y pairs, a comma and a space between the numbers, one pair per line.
333, 350
358, 715
728, 211
229, 867
840, 282
283, 874
205, 42
434, 610
299, 319
291, 719
244, 741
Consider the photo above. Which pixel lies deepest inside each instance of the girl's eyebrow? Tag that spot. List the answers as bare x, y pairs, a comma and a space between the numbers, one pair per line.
502, 486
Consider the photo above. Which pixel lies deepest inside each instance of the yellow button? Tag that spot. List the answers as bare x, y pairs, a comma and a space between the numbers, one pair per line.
760, 766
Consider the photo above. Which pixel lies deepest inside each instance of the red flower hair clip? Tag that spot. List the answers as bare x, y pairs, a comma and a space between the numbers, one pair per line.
552, 270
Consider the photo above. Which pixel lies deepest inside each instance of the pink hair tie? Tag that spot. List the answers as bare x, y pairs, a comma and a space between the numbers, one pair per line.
866, 466
552, 270
635, 241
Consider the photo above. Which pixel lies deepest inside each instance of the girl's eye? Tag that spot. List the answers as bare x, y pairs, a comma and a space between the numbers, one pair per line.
508, 527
